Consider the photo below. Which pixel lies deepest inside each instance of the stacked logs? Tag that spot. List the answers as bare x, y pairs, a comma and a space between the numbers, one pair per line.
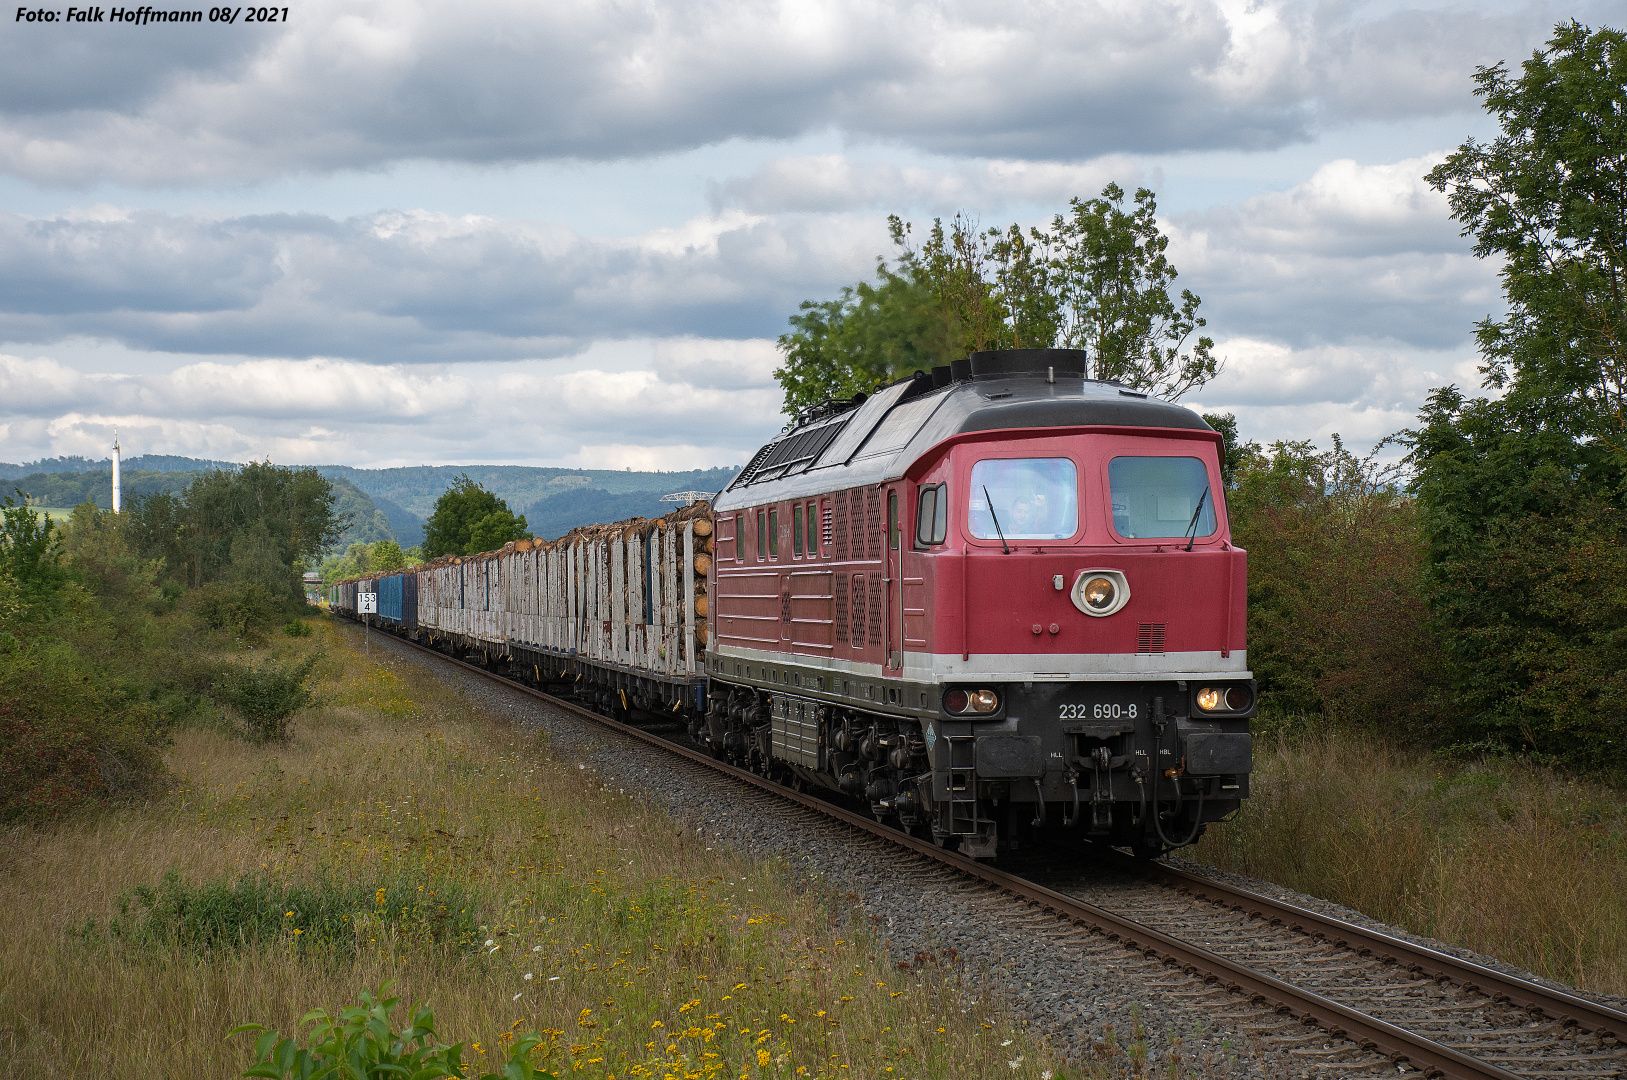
701, 514
633, 530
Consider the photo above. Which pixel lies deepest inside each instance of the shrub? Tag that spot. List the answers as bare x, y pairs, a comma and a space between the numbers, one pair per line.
359, 1043
268, 695
297, 628
240, 607
252, 911
1338, 622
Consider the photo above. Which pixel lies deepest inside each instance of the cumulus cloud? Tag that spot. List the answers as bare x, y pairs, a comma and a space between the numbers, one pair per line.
414, 286
831, 182
359, 84
324, 410
1355, 252
1362, 390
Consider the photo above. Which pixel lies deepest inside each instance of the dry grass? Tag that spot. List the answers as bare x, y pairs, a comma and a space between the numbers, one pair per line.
635, 948
1505, 858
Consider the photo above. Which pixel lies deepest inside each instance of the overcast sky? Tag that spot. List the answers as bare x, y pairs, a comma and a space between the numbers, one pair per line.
568, 234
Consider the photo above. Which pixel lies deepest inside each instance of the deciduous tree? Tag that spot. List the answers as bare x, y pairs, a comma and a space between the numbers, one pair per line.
469, 519
1097, 279
1522, 494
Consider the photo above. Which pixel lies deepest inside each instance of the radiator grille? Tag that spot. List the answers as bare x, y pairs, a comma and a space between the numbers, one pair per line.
857, 612
839, 531
872, 524
840, 621
875, 611
1150, 638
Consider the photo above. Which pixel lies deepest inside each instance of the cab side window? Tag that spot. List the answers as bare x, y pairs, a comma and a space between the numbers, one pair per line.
932, 515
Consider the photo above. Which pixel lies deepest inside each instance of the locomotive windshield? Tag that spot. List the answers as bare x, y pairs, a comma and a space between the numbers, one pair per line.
1024, 499
1156, 497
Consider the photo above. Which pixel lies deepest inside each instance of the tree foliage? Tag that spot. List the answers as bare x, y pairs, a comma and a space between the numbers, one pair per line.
1549, 197
256, 525
1096, 279
1336, 603
30, 546
468, 519
1522, 495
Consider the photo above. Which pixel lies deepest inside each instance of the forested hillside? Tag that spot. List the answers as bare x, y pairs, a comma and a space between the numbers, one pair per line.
150, 462
556, 515
416, 488
69, 489
388, 504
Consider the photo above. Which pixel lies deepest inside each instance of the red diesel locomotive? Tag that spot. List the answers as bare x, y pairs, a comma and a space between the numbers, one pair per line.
993, 602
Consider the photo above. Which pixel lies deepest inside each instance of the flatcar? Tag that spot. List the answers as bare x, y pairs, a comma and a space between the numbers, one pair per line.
991, 603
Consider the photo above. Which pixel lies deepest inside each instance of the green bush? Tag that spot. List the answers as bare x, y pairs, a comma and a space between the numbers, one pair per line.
254, 911
239, 607
360, 1045
296, 628
1338, 622
266, 696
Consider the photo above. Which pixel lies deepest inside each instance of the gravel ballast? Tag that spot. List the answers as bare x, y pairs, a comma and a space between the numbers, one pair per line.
1069, 987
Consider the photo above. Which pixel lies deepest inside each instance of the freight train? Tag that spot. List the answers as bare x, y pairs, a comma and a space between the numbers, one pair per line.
994, 604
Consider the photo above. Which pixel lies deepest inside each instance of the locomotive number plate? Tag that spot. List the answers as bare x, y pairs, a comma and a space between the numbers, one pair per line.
1098, 710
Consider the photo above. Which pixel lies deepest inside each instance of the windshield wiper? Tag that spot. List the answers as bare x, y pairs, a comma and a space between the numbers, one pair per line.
996, 518
1192, 526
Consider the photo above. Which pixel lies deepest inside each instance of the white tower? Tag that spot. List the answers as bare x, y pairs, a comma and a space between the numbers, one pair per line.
115, 470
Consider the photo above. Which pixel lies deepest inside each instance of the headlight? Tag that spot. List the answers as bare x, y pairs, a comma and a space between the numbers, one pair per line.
1100, 592
1222, 699
971, 702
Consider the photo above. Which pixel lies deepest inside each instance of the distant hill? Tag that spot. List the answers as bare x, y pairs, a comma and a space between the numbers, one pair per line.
407, 526
415, 489
146, 462
557, 515
368, 524
69, 489
392, 503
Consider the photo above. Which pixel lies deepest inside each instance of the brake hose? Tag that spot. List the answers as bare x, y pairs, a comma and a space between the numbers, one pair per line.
1197, 819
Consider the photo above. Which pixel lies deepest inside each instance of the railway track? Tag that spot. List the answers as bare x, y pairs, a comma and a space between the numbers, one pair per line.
1420, 1008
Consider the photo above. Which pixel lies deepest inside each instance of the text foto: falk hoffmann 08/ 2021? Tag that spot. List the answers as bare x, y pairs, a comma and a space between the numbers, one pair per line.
151, 16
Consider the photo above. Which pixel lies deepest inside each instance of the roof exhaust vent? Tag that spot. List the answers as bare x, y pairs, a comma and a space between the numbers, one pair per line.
1044, 363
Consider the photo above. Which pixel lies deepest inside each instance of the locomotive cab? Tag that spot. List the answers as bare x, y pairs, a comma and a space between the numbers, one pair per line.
993, 604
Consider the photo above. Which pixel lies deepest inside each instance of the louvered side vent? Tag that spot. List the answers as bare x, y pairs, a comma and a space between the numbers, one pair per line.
792, 454
875, 611
839, 528
855, 524
857, 616
840, 623
1150, 638
872, 523
750, 471
827, 532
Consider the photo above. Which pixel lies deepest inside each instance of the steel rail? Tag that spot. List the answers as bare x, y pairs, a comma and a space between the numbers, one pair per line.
1369, 1032
1567, 1008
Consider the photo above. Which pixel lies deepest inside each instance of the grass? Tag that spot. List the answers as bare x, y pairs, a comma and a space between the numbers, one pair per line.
412, 838
1496, 855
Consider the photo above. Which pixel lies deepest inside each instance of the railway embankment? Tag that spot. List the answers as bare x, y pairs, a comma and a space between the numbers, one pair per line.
411, 831
1496, 855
